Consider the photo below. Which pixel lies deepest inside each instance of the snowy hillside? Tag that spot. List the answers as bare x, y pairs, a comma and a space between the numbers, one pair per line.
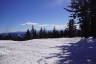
37, 51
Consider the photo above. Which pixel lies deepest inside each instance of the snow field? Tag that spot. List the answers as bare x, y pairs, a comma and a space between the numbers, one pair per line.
36, 51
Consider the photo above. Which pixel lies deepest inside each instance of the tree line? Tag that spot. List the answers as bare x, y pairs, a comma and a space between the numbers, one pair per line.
70, 31
85, 12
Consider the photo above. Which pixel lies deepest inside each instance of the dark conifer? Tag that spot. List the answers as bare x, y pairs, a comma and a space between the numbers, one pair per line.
71, 28
55, 33
33, 32
61, 33
27, 35
85, 11
1, 37
41, 33
9, 37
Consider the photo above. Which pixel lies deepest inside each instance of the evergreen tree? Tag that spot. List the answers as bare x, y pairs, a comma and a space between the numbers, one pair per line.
0, 37
55, 33
92, 5
85, 11
9, 37
27, 35
50, 34
66, 32
61, 33
79, 10
71, 28
41, 33
45, 35
33, 31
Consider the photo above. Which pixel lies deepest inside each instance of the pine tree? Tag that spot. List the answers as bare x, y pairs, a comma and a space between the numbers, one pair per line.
71, 28
92, 4
55, 33
9, 37
34, 33
61, 33
41, 33
27, 35
45, 35
82, 9
49, 34
1, 37
66, 32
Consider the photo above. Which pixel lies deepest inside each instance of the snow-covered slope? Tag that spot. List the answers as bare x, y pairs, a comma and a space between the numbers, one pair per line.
37, 51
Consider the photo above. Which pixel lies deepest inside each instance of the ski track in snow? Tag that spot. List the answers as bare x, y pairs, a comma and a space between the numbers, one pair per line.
36, 51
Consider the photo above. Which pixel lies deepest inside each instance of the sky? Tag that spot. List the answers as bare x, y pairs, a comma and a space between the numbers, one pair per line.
20, 15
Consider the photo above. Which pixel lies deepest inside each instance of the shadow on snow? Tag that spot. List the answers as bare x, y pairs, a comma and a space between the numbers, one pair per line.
82, 52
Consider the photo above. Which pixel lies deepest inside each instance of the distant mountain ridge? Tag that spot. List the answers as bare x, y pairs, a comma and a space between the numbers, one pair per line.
13, 33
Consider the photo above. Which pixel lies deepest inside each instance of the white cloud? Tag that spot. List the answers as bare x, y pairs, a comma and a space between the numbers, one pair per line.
47, 26
51, 26
44, 25
58, 26
29, 23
